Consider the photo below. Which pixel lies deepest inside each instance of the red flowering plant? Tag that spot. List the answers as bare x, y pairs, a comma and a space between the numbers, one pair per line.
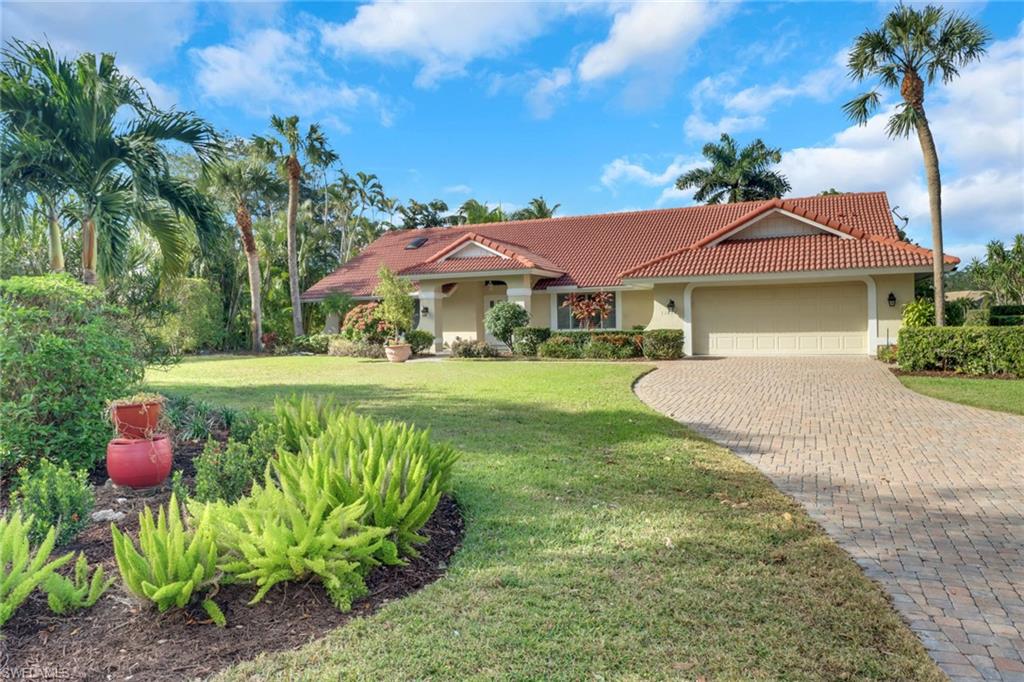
364, 323
590, 310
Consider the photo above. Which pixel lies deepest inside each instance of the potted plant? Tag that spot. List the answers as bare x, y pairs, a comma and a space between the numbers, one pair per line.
137, 416
139, 462
396, 309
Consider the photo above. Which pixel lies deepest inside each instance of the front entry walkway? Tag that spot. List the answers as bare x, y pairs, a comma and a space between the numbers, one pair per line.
926, 495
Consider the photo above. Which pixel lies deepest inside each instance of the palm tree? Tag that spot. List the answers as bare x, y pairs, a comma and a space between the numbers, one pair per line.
21, 179
914, 47
285, 151
735, 176
93, 132
472, 212
242, 182
537, 208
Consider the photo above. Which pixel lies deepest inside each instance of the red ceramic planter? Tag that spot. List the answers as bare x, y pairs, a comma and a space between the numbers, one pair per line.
138, 420
139, 462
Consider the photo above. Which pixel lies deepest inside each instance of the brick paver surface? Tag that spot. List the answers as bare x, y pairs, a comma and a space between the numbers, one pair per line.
926, 495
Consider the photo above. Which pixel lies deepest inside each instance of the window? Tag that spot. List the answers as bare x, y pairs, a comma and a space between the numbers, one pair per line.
416, 243
565, 320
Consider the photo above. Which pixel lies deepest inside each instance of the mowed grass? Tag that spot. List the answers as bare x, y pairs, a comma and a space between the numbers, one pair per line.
603, 540
1003, 395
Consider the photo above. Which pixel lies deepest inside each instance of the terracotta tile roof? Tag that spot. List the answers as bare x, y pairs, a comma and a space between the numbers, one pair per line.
481, 264
596, 250
516, 253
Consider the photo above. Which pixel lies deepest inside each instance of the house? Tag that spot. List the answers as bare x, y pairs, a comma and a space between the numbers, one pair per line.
814, 275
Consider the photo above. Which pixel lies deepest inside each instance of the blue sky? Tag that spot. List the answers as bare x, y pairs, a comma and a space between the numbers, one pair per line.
597, 106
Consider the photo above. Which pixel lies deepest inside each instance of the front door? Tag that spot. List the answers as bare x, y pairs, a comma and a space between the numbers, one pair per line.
489, 301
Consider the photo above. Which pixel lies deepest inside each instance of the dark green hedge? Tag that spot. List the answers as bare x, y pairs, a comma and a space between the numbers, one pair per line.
1000, 310
970, 350
1006, 320
663, 344
526, 340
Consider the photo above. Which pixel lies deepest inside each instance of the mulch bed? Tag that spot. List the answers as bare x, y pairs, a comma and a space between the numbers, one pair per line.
120, 638
950, 375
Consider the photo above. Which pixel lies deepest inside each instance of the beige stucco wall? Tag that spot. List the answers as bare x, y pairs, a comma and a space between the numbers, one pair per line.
662, 318
889, 319
540, 309
464, 312
637, 308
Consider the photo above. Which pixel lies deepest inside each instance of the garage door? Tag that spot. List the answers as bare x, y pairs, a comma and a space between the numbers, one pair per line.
815, 319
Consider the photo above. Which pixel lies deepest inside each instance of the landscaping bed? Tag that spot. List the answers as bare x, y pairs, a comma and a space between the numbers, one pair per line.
950, 375
120, 637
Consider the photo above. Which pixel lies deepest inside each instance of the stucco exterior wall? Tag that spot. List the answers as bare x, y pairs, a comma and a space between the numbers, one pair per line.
890, 319
637, 308
464, 312
662, 317
540, 309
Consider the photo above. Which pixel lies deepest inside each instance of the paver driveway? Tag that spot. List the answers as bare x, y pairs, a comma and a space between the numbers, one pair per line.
927, 495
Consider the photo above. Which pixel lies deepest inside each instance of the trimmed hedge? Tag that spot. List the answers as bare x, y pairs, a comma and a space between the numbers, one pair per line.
526, 340
466, 348
1001, 310
969, 350
1006, 320
339, 346
663, 344
562, 347
629, 345
419, 340
976, 317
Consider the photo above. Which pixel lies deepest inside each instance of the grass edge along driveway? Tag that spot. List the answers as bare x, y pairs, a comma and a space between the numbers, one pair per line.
1001, 395
603, 540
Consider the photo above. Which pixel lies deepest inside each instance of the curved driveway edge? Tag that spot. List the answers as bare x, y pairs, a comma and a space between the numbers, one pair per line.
926, 495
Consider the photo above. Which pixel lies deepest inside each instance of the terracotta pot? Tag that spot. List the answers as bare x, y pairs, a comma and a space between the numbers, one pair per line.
138, 420
398, 353
139, 462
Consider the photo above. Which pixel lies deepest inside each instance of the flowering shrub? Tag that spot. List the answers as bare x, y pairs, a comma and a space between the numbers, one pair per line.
365, 323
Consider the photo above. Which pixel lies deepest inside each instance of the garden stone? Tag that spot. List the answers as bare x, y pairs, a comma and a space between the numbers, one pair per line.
107, 516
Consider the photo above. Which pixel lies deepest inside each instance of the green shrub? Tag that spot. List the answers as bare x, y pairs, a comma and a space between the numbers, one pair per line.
503, 318
919, 313
560, 347
340, 346
969, 350
271, 536
300, 418
193, 420
419, 339
54, 496
365, 323
465, 348
173, 563
663, 344
1012, 309
195, 321
1007, 320
313, 343
628, 344
80, 591
64, 353
887, 354
21, 571
526, 340
393, 467
956, 312
976, 317
396, 305
225, 472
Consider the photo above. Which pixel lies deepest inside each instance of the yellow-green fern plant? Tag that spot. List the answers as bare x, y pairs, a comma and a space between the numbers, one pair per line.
80, 591
21, 571
173, 563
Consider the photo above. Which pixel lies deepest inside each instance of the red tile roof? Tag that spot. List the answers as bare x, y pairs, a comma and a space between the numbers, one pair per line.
598, 250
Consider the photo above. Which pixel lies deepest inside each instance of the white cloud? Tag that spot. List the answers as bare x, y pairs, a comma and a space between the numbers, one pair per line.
649, 36
699, 128
443, 37
626, 171
268, 69
548, 91
458, 189
821, 84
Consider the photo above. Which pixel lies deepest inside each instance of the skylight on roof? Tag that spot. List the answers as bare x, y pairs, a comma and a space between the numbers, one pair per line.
416, 243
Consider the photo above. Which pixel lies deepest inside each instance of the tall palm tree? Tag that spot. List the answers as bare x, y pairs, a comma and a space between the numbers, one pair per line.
473, 212
736, 175
21, 179
243, 182
537, 208
285, 150
911, 49
94, 133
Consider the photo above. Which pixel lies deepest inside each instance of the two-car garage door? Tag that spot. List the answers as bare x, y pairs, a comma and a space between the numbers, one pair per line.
817, 319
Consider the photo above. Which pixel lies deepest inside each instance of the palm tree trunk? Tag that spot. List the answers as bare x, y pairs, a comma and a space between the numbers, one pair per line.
55, 240
931, 169
252, 257
294, 172
89, 251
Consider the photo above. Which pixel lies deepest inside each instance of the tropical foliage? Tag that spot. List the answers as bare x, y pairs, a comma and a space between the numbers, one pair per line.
503, 318
21, 569
736, 174
1002, 271
913, 48
80, 591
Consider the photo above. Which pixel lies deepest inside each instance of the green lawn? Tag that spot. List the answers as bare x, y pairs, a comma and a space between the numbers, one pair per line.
1004, 395
603, 540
